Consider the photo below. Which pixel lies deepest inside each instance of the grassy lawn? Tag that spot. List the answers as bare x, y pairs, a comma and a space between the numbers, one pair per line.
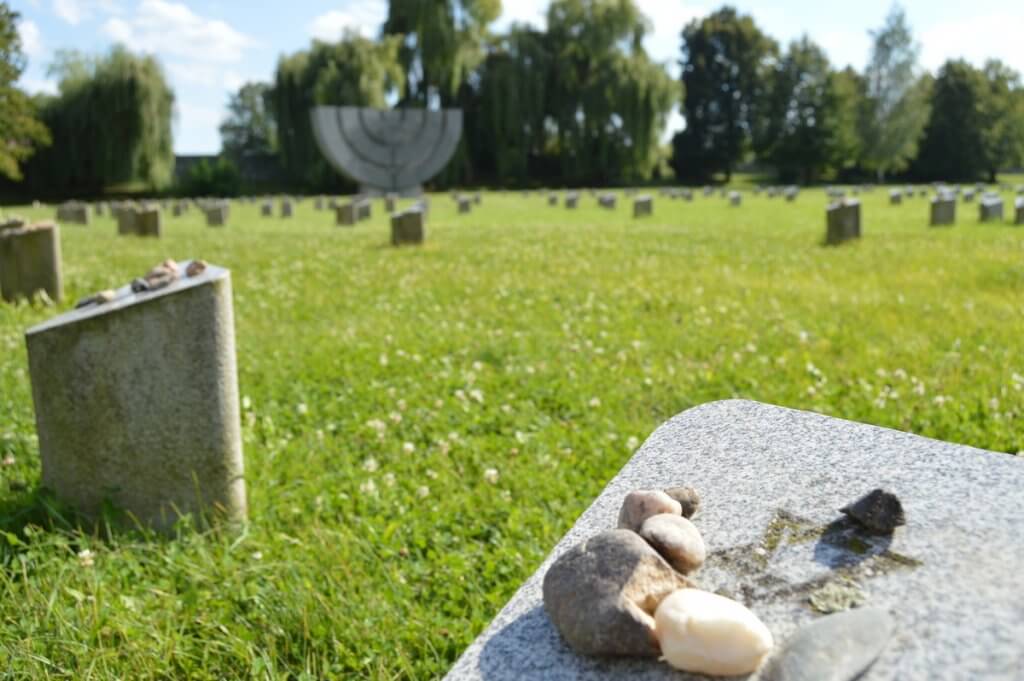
422, 424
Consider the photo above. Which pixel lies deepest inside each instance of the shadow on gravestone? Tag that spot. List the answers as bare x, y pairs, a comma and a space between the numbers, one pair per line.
387, 151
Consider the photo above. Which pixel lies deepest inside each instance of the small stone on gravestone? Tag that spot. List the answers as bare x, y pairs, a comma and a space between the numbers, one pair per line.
643, 206
990, 208
843, 221
772, 479
943, 211
30, 261
407, 227
136, 400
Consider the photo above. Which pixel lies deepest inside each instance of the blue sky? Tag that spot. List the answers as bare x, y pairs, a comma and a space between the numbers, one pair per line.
210, 48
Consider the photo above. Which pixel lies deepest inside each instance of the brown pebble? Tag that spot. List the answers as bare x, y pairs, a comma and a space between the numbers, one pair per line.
687, 498
195, 268
640, 505
677, 540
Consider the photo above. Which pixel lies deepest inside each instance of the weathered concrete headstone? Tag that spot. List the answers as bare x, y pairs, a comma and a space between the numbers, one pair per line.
148, 221
895, 197
407, 227
791, 194
571, 200
364, 209
30, 260
968, 195
127, 217
217, 214
772, 481
735, 199
345, 215
943, 211
318, 203
990, 208
267, 209
465, 204
843, 221
73, 212
136, 402
607, 201
286, 208
387, 150
643, 206
1019, 211
390, 203
552, 199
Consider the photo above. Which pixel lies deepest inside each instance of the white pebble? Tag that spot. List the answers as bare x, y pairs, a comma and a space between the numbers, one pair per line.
705, 633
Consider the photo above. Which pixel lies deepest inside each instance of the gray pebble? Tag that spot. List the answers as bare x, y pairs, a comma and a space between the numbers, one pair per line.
835, 648
687, 498
878, 511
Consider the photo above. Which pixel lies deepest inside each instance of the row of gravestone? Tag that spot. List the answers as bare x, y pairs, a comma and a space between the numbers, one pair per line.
843, 217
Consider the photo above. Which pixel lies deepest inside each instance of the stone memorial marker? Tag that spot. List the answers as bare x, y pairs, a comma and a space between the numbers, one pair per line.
318, 203
1019, 211
571, 199
552, 199
345, 215
407, 227
940, 596
943, 211
708, 190
607, 201
477, 198
990, 208
148, 222
177, 210
30, 260
968, 195
286, 208
363, 209
73, 212
100, 209
390, 203
136, 399
267, 209
736, 199
843, 221
465, 204
792, 193
387, 150
217, 214
895, 197
127, 219
643, 206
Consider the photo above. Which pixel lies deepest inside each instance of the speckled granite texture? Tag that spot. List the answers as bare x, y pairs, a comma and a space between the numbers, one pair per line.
771, 482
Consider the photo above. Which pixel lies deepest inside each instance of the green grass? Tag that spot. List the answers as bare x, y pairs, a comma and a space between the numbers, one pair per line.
539, 342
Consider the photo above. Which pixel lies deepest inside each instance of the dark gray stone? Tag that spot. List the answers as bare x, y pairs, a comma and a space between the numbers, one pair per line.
602, 593
407, 227
217, 214
688, 499
772, 479
878, 511
843, 221
643, 206
286, 208
838, 647
345, 215
943, 211
387, 150
895, 197
73, 212
267, 209
571, 200
990, 208
1018, 211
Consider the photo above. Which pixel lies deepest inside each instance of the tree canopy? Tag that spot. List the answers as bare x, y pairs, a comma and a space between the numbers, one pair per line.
250, 128
21, 132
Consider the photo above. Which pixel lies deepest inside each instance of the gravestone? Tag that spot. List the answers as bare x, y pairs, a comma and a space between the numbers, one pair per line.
943, 211
1019, 211
477, 198
100, 209
465, 204
407, 227
136, 402
286, 208
345, 215
843, 221
363, 209
177, 210
607, 201
643, 206
552, 199
318, 203
968, 195
387, 150
571, 199
792, 193
148, 222
217, 214
990, 208
390, 203
895, 197
771, 481
708, 190
127, 217
267, 209
73, 213
30, 260
735, 199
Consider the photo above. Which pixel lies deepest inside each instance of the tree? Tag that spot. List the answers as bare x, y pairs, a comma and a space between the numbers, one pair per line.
354, 71
21, 133
111, 125
726, 62
249, 129
1003, 113
896, 98
807, 124
952, 147
219, 178
441, 43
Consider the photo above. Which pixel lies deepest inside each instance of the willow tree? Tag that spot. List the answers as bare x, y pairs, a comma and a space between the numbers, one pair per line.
111, 125
608, 100
442, 42
21, 133
354, 71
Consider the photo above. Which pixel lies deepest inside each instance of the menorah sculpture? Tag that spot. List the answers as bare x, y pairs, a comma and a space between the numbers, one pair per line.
392, 151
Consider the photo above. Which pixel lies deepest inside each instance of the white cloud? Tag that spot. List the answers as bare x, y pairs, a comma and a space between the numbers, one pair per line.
196, 128
31, 38
71, 11
38, 85
171, 28
664, 42
364, 17
975, 38
533, 12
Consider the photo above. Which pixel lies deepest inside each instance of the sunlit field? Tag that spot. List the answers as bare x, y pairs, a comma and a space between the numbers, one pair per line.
422, 424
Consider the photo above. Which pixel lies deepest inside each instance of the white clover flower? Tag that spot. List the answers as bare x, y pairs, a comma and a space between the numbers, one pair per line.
430, 473
491, 476
402, 405
246, 403
595, 402
460, 395
302, 409
86, 558
369, 487
408, 447
383, 360
422, 491
257, 555
477, 395
377, 425
389, 479
370, 465
395, 417
632, 443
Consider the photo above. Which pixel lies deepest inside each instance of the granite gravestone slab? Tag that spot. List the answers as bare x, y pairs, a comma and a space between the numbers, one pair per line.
895, 197
345, 215
990, 208
465, 204
286, 208
771, 482
136, 402
30, 261
943, 211
735, 199
148, 222
571, 200
643, 206
607, 201
407, 227
267, 209
363, 209
843, 221
552, 199
127, 219
1019, 211
73, 212
217, 214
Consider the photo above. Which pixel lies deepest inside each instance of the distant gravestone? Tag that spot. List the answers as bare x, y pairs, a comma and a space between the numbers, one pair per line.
792, 193
571, 199
465, 205
136, 402
607, 201
843, 222
364, 209
943, 211
217, 214
148, 221
390, 203
345, 215
895, 197
387, 150
771, 481
708, 190
127, 217
735, 199
1019, 211
286, 208
407, 227
990, 208
73, 212
267, 209
552, 199
968, 195
477, 198
177, 210
30, 260
318, 203
643, 206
